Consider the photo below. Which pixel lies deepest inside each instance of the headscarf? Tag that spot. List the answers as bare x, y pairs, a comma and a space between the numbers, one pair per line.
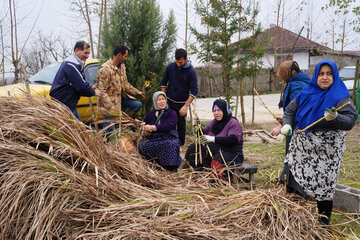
155, 97
313, 100
224, 107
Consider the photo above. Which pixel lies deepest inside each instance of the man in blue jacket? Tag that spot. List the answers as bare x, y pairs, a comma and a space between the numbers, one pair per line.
69, 83
180, 85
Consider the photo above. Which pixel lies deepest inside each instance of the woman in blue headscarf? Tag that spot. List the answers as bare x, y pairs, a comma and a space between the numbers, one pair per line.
162, 143
315, 156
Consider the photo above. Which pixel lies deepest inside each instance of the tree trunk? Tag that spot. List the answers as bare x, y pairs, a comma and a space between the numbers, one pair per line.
242, 102
87, 19
238, 66
356, 80
209, 79
272, 78
2, 57
100, 26
253, 101
26, 79
237, 99
14, 49
342, 45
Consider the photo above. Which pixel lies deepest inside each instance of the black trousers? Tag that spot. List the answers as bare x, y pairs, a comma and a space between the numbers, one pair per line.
205, 156
325, 209
181, 123
231, 157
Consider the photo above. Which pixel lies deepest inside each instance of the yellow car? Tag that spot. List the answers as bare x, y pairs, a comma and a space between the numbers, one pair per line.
40, 84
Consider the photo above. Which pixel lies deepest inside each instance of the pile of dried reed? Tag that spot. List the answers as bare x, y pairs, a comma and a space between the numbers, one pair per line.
60, 181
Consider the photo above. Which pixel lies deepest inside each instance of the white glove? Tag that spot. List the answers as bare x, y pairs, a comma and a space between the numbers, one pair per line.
207, 139
330, 114
286, 130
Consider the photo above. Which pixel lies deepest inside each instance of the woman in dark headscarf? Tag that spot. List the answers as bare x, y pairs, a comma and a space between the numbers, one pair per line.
224, 138
315, 155
162, 143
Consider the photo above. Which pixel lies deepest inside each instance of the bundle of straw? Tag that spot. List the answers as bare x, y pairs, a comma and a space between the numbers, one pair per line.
60, 181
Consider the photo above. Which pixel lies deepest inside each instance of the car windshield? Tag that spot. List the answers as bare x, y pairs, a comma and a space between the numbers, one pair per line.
347, 73
47, 75
91, 73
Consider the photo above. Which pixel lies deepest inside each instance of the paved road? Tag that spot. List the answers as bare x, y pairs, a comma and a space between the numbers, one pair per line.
203, 108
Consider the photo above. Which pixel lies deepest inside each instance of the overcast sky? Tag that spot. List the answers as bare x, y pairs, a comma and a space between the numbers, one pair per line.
55, 16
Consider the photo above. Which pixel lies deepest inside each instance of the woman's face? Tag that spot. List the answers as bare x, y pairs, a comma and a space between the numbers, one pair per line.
218, 114
325, 78
161, 102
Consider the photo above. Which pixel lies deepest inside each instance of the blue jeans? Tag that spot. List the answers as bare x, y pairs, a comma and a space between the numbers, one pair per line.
132, 104
76, 114
105, 124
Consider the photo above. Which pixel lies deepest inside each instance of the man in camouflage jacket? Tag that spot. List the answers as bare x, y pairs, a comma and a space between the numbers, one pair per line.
116, 91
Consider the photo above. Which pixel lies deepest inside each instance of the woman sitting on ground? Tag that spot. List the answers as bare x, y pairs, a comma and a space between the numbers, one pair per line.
224, 138
315, 156
162, 142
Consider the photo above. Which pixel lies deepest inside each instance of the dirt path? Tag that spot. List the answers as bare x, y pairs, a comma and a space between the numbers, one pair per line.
203, 108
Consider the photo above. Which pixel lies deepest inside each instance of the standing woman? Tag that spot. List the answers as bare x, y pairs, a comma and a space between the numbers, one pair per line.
162, 143
224, 138
315, 156
295, 79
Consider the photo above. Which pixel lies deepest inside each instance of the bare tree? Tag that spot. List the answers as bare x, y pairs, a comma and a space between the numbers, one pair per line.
54, 45
13, 41
341, 25
16, 51
102, 16
91, 12
44, 50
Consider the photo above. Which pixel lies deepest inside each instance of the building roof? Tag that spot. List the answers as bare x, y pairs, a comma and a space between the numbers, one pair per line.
286, 40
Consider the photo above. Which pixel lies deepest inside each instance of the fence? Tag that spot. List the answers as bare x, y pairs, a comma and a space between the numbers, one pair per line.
262, 82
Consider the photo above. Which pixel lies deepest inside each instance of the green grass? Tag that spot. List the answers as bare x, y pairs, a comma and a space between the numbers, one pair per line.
350, 169
348, 223
269, 159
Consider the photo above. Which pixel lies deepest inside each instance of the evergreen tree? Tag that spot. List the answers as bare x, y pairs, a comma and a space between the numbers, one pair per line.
139, 24
224, 20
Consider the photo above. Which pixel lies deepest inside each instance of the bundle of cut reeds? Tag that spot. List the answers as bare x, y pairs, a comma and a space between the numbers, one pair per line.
59, 180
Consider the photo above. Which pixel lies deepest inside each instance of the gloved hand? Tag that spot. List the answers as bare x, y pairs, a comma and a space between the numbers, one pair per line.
207, 139
286, 130
196, 121
330, 114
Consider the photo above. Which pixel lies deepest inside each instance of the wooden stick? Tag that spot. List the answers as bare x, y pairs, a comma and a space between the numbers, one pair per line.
200, 132
285, 184
196, 145
316, 122
263, 104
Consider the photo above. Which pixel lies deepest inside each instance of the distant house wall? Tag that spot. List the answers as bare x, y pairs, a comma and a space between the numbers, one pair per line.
301, 57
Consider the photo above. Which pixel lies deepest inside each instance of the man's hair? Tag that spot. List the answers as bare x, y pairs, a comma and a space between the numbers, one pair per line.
180, 53
81, 45
120, 48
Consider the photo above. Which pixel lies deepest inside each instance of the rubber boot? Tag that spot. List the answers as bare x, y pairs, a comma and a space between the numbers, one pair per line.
325, 209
